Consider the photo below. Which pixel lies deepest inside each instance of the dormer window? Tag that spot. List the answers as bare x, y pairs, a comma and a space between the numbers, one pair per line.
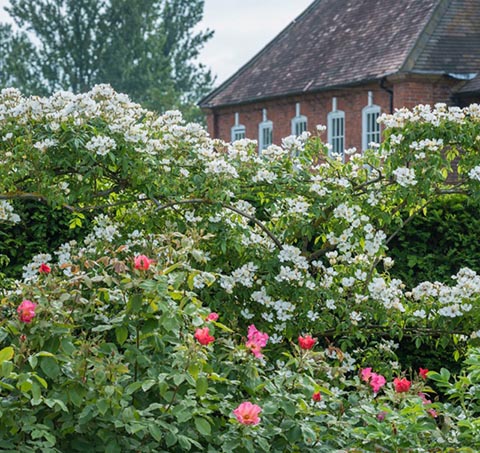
336, 129
265, 132
299, 122
370, 126
238, 130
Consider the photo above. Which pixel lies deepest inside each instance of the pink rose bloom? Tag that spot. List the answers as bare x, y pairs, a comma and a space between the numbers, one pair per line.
306, 342
377, 381
142, 262
44, 269
366, 374
256, 340
402, 385
247, 413
212, 316
203, 336
26, 311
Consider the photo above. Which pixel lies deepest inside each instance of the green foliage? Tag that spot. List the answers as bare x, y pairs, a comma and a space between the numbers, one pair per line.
432, 247
144, 48
42, 228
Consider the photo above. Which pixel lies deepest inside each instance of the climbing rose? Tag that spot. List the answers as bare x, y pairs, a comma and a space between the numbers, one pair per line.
423, 372
306, 342
26, 311
402, 385
256, 340
212, 317
142, 262
44, 269
377, 381
317, 396
247, 413
203, 336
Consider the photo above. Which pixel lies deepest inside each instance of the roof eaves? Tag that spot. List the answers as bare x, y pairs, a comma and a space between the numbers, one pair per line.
204, 101
300, 92
424, 36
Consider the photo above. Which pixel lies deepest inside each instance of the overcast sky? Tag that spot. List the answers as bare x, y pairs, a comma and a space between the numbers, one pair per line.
242, 28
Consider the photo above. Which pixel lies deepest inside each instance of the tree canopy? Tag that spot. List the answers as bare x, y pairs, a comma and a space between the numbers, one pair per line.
146, 48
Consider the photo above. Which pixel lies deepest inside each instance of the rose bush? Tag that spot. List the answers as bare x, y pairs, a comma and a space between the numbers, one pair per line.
122, 353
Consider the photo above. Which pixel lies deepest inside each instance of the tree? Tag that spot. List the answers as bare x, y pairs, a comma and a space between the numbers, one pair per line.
145, 48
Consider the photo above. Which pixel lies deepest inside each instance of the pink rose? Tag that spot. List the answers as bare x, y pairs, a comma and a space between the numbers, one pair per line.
306, 342
377, 381
142, 262
256, 340
26, 311
247, 413
203, 336
212, 316
366, 374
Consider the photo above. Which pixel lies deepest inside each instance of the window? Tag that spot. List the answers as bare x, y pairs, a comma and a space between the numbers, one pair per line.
238, 130
299, 122
265, 132
370, 127
336, 129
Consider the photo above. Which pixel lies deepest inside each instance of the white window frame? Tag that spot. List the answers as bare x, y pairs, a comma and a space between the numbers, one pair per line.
336, 137
238, 131
265, 127
299, 122
370, 134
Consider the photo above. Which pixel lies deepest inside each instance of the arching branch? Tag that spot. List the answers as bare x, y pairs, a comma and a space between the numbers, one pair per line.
225, 206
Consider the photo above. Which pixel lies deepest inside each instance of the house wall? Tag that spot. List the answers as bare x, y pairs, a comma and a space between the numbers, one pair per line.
408, 92
411, 91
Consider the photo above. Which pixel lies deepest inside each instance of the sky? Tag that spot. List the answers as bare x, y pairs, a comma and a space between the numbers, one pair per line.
242, 28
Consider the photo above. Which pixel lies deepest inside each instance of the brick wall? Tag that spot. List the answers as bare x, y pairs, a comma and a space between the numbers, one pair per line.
409, 92
316, 106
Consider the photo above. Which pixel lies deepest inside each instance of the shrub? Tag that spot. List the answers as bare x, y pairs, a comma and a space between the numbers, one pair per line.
115, 354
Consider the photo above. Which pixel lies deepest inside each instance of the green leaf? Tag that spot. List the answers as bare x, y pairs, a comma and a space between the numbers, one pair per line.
6, 354
203, 426
134, 303
50, 367
67, 346
155, 431
42, 381
201, 386
121, 333
103, 405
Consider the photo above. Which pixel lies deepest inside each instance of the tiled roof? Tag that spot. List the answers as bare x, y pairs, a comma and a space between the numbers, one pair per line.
453, 43
344, 42
473, 86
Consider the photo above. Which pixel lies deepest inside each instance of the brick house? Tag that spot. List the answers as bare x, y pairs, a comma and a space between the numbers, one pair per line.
341, 63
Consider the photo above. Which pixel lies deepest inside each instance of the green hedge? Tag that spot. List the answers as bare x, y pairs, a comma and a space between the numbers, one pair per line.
435, 246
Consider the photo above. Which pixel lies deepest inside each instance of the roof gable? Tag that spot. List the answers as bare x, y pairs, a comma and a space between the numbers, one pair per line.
344, 42
453, 46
